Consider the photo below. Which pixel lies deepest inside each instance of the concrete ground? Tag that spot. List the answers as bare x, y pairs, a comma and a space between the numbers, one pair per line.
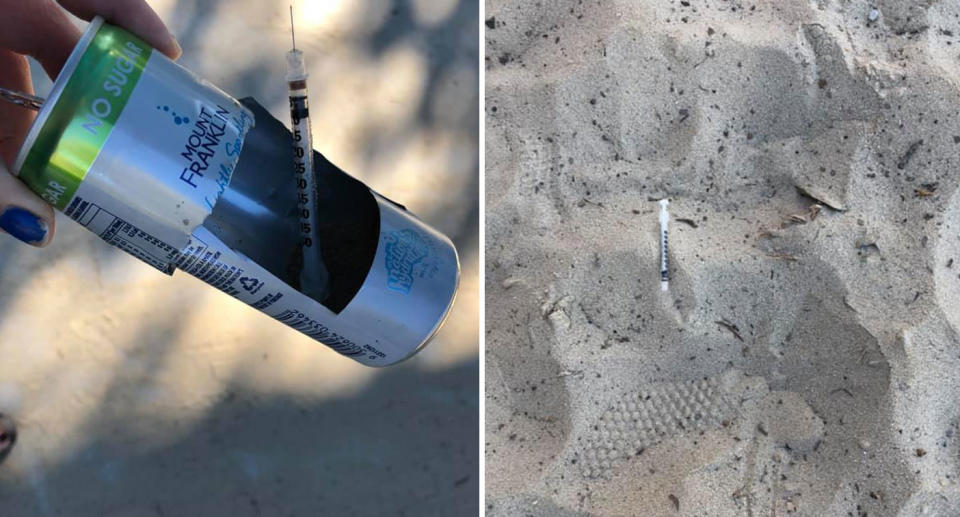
139, 394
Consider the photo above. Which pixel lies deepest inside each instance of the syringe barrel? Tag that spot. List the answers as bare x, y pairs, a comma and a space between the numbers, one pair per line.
664, 264
314, 276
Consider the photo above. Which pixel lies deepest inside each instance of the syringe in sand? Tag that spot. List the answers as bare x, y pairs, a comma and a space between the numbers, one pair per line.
303, 162
664, 270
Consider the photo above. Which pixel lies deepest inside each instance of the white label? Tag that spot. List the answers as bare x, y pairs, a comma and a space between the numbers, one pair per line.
209, 259
170, 155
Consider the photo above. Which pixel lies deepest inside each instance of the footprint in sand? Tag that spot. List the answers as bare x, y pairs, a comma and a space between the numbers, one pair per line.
643, 418
659, 412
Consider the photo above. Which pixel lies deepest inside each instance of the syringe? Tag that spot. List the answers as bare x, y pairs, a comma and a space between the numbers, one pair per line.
312, 275
664, 269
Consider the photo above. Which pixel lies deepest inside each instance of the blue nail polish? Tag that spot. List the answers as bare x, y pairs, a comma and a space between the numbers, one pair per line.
23, 225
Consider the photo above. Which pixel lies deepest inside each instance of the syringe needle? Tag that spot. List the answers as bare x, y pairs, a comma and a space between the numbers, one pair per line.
292, 35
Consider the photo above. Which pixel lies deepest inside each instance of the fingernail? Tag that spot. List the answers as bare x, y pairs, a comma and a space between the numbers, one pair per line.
24, 225
176, 44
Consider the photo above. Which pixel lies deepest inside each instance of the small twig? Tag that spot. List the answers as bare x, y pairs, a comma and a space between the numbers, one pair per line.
783, 256
905, 159
811, 215
765, 233
731, 327
926, 190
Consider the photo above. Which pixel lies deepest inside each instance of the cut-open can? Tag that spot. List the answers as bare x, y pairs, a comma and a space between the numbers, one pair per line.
167, 167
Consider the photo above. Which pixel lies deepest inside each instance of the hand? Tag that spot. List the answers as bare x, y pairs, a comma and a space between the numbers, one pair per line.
41, 29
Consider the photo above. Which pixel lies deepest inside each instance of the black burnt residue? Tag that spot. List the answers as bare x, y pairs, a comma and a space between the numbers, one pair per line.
347, 213
348, 220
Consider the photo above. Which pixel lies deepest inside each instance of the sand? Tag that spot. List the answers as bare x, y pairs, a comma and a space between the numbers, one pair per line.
805, 358
137, 394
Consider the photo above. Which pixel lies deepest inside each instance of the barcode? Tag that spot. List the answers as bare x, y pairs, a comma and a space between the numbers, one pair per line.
303, 323
266, 301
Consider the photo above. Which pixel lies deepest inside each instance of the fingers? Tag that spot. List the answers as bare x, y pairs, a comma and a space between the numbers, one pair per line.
14, 120
134, 15
22, 214
40, 29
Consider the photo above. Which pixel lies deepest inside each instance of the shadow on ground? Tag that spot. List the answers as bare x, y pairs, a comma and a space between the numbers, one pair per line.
371, 453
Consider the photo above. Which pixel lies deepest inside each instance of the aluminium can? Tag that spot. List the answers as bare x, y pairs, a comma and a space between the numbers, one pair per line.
174, 171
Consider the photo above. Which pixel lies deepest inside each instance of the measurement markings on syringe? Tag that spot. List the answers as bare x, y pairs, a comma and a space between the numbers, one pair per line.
313, 273
299, 114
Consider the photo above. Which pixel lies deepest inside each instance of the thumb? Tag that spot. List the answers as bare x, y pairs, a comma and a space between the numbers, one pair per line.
22, 213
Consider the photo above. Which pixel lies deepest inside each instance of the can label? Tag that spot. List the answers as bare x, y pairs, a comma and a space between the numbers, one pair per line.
101, 86
407, 256
212, 261
136, 148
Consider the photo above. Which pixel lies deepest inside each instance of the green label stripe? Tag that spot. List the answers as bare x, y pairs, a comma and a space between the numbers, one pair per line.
84, 114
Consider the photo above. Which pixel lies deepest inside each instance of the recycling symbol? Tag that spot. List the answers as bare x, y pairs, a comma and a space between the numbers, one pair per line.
249, 283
